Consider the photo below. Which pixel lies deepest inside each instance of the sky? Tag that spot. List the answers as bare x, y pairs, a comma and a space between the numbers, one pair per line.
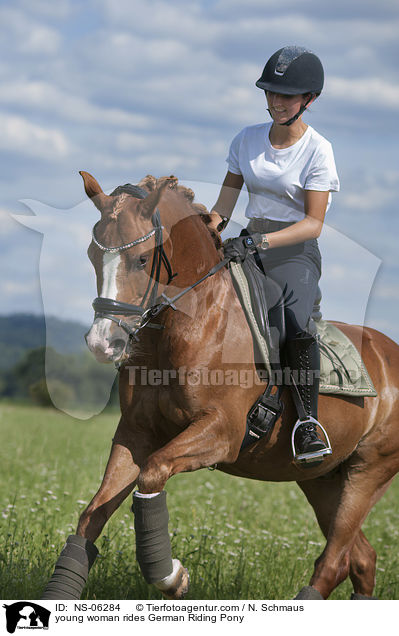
125, 88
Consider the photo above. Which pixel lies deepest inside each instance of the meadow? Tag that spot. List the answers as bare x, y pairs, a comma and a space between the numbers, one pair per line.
240, 539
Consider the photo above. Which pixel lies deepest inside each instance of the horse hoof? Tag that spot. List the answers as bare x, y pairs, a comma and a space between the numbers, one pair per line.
361, 597
175, 586
308, 593
180, 587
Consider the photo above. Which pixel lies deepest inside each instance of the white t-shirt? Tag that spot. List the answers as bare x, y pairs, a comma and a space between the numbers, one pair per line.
277, 178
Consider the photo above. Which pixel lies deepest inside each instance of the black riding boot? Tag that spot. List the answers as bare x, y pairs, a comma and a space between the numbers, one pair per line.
303, 358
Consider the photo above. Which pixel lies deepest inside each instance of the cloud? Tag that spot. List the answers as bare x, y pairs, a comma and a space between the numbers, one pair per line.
19, 135
15, 288
49, 98
8, 225
24, 35
374, 198
354, 9
388, 292
59, 10
370, 191
365, 91
184, 22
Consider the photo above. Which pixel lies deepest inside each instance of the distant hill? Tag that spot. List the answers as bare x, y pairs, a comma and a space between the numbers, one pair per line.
21, 332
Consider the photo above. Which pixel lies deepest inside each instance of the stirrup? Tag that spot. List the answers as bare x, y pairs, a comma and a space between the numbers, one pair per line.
316, 456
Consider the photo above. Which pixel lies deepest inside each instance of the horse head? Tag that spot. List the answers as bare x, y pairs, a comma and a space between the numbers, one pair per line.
124, 252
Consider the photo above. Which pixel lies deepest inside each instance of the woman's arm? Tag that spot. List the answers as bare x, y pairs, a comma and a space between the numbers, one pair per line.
227, 198
310, 227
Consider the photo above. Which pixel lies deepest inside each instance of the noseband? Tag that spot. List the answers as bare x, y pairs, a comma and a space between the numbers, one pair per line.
108, 307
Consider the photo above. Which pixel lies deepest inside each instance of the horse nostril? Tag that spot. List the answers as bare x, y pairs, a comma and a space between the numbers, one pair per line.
118, 344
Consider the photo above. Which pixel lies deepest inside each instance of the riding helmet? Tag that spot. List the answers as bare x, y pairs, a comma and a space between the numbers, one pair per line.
292, 70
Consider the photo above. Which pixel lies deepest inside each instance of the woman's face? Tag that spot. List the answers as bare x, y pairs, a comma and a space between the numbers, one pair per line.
283, 107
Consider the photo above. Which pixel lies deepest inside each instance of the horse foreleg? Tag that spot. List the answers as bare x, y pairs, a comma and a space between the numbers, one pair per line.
209, 440
118, 482
79, 553
204, 443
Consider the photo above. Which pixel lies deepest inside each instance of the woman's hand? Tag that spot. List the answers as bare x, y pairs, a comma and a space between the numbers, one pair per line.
215, 221
237, 249
227, 198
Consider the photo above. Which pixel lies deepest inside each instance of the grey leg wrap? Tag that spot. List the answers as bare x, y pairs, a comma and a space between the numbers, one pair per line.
153, 549
71, 570
308, 593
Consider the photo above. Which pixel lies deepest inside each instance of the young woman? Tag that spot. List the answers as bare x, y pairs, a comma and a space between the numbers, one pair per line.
289, 171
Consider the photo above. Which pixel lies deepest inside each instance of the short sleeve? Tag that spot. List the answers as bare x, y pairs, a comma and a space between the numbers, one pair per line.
322, 175
233, 158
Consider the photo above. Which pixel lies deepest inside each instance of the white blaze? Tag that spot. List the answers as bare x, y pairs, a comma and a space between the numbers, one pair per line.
98, 338
111, 264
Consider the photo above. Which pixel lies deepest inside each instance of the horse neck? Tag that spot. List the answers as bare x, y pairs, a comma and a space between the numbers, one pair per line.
194, 252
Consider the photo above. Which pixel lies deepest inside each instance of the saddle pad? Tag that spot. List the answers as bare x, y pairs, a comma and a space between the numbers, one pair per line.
341, 367
342, 370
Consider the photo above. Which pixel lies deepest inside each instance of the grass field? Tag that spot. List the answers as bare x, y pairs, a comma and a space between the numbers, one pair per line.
240, 539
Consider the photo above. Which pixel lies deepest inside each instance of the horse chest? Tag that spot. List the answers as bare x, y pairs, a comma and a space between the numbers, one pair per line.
176, 406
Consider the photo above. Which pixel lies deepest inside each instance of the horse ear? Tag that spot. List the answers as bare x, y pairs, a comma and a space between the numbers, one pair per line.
148, 205
95, 193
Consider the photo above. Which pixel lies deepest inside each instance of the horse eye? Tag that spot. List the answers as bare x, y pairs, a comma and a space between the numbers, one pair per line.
141, 261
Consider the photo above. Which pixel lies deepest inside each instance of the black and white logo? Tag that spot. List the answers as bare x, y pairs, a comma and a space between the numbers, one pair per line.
26, 615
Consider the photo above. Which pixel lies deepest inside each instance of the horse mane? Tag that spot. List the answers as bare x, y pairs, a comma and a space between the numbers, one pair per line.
150, 183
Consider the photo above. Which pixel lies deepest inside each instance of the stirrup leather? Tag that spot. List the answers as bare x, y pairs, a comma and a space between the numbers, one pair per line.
307, 458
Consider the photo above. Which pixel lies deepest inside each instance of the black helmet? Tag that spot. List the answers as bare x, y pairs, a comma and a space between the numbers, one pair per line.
292, 70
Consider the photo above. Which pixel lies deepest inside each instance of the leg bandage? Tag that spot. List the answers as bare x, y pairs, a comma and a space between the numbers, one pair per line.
71, 570
153, 549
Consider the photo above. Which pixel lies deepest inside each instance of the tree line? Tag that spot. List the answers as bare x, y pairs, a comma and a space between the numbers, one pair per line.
44, 377
63, 372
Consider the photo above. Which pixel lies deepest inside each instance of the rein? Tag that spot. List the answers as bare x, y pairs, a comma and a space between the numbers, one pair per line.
109, 308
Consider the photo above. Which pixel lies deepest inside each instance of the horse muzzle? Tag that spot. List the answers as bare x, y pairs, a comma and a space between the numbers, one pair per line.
107, 342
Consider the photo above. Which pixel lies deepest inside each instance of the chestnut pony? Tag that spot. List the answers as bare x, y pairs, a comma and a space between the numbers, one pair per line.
171, 425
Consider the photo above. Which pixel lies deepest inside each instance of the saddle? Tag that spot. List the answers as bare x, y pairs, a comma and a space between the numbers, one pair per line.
342, 370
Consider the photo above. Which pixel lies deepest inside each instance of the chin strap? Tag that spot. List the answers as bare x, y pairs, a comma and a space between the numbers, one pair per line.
299, 113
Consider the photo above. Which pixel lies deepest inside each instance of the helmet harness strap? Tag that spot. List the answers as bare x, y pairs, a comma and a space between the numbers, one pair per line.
299, 113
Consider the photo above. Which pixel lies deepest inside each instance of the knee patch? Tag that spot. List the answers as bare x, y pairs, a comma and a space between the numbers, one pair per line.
153, 549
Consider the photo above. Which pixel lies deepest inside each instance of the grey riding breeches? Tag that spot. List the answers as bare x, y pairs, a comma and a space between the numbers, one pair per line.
296, 269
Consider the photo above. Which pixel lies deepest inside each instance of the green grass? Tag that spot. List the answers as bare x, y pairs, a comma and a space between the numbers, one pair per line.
240, 539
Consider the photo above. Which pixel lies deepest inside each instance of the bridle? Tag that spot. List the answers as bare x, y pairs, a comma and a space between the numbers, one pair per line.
109, 308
